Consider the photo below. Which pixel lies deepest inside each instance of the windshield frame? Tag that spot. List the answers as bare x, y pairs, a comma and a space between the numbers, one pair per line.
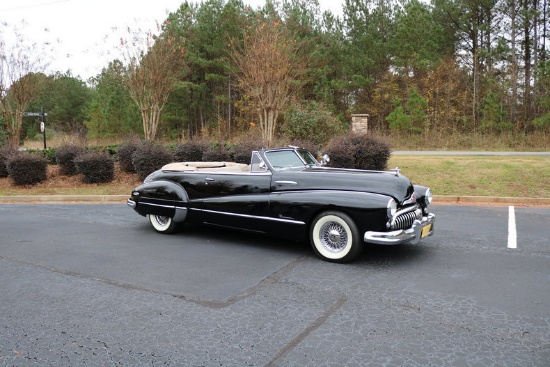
290, 159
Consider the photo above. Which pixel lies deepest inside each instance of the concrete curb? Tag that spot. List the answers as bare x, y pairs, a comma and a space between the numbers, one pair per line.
20, 199
447, 199
438, 199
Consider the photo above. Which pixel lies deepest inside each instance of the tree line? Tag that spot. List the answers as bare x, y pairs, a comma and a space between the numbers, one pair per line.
222, 68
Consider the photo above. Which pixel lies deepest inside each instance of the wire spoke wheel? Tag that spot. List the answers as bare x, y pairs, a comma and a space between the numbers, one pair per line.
334, 237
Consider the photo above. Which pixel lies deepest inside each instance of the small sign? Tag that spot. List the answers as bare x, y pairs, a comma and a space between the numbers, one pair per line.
42, 126
33, 114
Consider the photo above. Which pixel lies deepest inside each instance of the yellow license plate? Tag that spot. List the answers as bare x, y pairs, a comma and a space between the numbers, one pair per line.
425, 231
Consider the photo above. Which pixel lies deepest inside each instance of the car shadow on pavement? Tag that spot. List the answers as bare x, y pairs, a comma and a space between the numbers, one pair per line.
394, 255
230, 237
241, 240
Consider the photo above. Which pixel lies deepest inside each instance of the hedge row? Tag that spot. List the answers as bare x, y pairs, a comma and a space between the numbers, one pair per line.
50, 153
144, 158
29, 168
360, 151
352, 150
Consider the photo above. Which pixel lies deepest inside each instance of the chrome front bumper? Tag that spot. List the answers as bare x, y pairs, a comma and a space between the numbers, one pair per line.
421, 228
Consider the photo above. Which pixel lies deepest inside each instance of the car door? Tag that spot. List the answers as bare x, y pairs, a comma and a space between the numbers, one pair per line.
237, 199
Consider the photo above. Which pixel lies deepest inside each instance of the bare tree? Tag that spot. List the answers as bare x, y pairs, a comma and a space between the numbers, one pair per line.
269, 65
152, 70
20, 81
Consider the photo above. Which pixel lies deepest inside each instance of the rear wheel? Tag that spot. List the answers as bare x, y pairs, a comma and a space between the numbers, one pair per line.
334, 237
162, 224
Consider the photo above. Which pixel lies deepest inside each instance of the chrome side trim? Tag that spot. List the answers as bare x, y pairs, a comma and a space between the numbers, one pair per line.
411, 235
164, 206
286, 182
280, 220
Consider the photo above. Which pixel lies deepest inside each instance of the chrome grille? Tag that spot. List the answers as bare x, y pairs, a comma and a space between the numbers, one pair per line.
405, 220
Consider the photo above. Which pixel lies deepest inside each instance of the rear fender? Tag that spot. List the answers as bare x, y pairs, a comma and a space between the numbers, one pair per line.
164, 198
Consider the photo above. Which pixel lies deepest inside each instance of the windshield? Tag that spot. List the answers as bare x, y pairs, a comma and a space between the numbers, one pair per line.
308, 157
290, 159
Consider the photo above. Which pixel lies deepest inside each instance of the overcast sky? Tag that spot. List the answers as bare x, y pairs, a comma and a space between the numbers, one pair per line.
82, 30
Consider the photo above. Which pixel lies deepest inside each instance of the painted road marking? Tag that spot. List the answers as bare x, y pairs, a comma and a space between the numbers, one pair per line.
512, 234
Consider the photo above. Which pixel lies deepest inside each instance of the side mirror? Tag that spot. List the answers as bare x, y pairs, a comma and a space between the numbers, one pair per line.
325, 159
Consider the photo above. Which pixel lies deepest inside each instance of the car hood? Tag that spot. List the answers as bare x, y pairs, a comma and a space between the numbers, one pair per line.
323, 178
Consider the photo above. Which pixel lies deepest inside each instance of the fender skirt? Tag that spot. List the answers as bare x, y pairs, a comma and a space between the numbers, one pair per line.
160, 198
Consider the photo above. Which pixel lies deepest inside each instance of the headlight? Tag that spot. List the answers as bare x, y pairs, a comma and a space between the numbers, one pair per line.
428, 197
392, 207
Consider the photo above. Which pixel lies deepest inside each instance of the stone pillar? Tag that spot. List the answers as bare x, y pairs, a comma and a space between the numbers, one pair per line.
360, 123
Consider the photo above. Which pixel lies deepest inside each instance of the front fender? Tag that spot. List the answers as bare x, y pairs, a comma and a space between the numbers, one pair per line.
164, 198
423, 196
367, 210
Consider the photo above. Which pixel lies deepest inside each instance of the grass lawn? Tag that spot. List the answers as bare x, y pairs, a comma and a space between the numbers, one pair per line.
503, 176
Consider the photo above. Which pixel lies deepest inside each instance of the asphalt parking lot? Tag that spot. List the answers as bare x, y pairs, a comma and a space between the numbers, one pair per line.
87, 284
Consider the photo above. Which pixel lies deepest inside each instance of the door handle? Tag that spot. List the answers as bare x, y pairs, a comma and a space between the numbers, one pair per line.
286, 182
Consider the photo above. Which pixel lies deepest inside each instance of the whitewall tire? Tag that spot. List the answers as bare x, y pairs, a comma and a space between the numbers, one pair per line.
334, 237
162, 224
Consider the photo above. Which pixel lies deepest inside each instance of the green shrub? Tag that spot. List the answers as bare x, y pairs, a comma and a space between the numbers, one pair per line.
112, 150
190, 151
27, 169
65, 157
360, 151
124, 154
5, 153
48, 153
150, 157
96, 167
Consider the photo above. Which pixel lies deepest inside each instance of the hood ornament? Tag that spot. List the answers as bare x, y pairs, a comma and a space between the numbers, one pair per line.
396, 170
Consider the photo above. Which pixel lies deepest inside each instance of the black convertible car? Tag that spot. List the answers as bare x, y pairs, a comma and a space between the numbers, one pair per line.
285, 192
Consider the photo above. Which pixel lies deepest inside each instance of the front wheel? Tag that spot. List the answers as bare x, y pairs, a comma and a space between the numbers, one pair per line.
334, 237
162, 224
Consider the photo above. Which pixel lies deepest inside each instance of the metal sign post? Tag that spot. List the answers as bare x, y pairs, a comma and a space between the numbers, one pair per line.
43, 115
43, 126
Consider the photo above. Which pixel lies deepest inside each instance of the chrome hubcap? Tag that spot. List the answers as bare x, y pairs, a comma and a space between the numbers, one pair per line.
333, 237
163, 221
